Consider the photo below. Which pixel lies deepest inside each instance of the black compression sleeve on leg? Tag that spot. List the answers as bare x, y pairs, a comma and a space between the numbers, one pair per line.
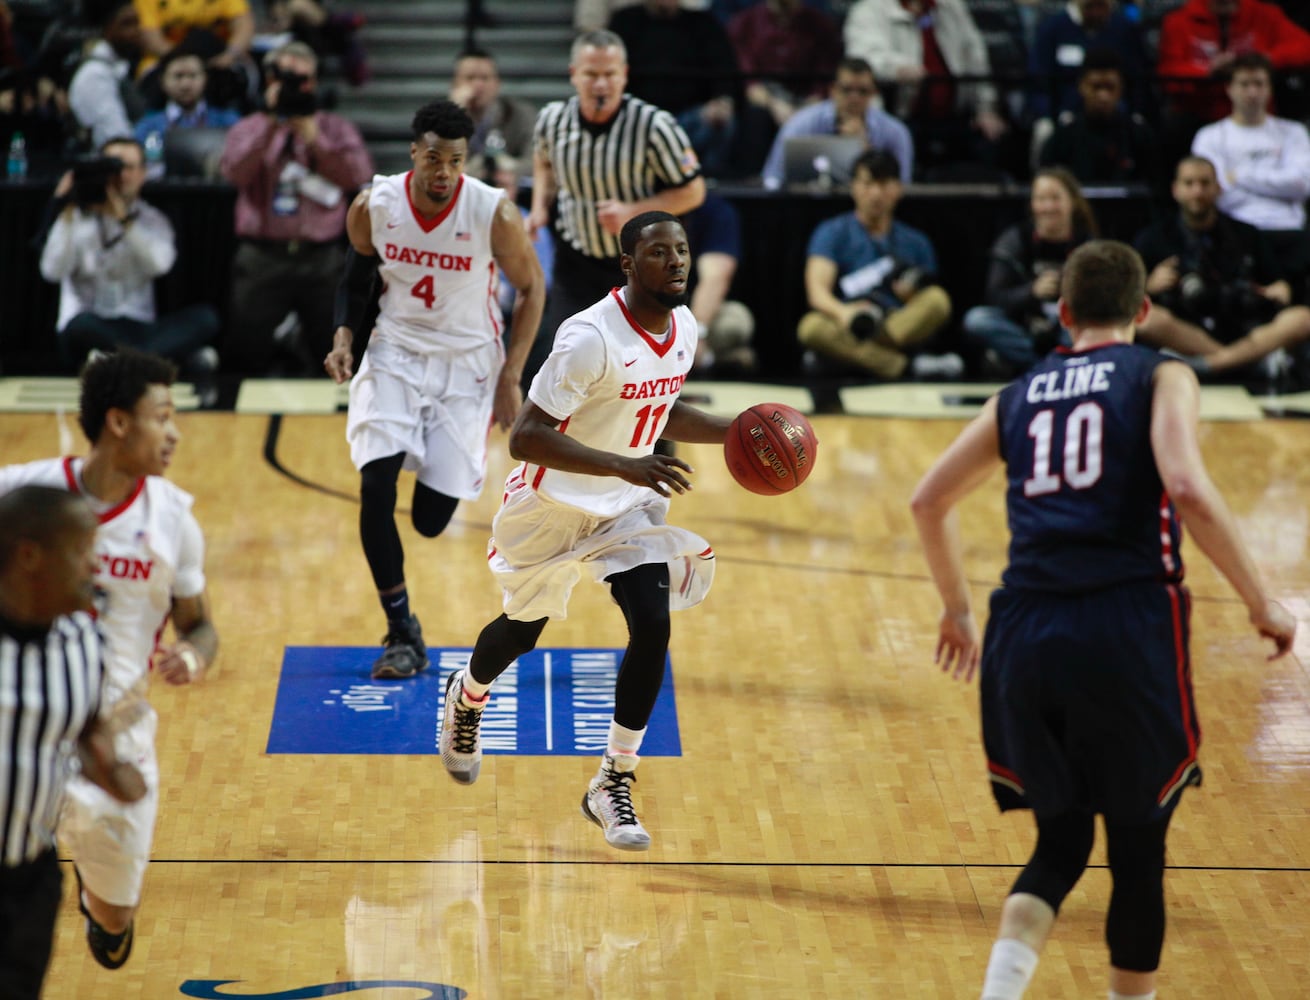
354, 290
377, 521
1063, 846
431, 511
1134, 924
643, 594
501, 643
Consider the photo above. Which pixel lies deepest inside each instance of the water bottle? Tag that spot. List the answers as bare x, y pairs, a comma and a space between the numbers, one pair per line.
154, 153
16, 169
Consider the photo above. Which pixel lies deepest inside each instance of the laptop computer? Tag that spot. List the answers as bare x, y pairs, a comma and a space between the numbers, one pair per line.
802, 157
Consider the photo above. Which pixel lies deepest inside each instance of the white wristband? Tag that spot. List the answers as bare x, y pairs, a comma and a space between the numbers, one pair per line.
188, 656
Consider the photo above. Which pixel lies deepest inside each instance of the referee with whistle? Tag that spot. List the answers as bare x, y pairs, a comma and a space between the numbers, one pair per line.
599, 159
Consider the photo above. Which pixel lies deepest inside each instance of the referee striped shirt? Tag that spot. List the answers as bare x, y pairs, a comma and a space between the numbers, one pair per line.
639, 152
49, 689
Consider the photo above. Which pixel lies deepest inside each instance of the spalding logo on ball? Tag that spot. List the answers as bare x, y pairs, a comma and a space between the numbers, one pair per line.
770, 449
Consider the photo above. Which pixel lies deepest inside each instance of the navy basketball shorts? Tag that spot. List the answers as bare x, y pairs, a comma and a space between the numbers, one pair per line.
1087, 701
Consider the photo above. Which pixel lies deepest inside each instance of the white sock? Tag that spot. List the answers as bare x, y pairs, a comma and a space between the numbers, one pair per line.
1009, 970
1132, 996
624, 741
474, 693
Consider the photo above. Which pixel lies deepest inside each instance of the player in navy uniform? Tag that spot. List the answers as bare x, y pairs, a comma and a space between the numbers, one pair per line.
1086, 687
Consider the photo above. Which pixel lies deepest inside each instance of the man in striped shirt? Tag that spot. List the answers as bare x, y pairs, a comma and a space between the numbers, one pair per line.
50, 705
600, 158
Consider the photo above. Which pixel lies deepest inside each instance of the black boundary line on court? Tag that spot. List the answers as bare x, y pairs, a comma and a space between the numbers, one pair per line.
271, 436
271, 457
1243, 869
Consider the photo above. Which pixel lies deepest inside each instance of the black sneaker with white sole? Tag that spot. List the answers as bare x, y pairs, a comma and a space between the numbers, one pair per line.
405, 655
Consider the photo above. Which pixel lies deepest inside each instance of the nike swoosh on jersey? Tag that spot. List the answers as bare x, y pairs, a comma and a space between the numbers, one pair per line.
629, 364
393, 225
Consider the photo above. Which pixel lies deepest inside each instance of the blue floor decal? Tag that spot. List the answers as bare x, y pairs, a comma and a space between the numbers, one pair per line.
550, 702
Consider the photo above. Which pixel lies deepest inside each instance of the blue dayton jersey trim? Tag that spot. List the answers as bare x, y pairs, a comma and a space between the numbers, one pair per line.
207, 989
556, 702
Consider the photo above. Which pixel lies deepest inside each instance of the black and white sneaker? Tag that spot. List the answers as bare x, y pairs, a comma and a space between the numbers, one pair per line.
406, 653
608, 804
460, 741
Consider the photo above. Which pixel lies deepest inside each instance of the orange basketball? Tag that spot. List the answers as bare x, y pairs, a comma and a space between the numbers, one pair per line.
770, 449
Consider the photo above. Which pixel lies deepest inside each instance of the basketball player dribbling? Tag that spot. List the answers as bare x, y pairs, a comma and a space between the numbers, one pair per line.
1086, 688
435, 374
591, 497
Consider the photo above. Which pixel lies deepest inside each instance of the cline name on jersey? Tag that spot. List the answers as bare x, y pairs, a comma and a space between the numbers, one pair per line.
1079, 380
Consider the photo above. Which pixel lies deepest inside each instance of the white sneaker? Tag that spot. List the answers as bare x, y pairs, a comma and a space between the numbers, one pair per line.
943, 366
608, 804
460, 742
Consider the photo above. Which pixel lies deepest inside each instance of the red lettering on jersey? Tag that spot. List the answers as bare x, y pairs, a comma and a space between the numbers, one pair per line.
428, 258
122, 568
668, 386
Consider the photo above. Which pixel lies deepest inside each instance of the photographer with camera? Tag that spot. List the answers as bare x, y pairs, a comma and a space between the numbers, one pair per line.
869, 282
1220, 297
294, 168
106, 247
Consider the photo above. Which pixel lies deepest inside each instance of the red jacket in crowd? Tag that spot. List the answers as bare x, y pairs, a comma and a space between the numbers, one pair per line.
1192, 36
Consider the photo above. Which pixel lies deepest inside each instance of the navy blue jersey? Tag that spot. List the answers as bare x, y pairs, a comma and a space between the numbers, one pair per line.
1085, 503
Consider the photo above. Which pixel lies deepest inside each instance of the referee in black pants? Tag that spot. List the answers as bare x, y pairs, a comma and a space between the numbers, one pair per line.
599, 159
50, 681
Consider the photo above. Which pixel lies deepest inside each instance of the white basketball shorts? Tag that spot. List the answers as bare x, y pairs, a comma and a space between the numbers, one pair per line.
109, 841
436, 408
539, 551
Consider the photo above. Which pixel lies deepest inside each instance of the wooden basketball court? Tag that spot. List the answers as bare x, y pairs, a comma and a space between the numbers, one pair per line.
827, 830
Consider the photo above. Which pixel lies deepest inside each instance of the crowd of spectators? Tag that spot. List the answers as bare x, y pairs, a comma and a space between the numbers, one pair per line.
1091, 93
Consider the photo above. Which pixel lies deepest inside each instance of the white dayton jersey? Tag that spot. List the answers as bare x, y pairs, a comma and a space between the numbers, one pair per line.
150, 549
611, 385
440, 281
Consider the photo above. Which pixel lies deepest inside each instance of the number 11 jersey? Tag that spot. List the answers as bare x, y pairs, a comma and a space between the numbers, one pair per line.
611, 384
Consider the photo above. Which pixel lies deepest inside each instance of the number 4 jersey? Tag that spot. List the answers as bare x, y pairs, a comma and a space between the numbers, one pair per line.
440, 280
1086, 505
611, 385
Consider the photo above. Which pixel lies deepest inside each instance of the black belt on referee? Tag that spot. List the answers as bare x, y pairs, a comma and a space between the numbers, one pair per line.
290, 248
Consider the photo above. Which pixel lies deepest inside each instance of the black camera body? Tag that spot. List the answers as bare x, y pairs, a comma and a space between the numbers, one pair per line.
91, 177
293, 99
1201, 296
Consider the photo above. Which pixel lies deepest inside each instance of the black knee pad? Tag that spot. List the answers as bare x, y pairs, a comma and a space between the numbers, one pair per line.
1134, 924
432, 511
1059, 859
